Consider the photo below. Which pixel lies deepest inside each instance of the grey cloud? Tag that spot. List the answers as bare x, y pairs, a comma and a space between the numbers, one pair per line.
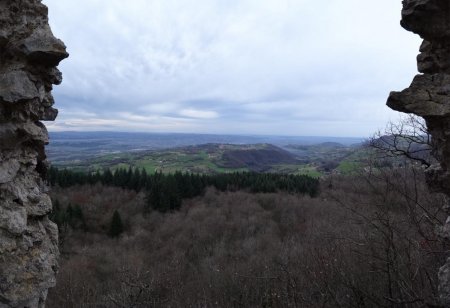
202, 65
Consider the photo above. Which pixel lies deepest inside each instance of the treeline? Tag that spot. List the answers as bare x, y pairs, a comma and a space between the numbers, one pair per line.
133, 179
166, 191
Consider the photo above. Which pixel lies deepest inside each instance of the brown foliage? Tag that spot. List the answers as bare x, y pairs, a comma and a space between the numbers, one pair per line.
367, 241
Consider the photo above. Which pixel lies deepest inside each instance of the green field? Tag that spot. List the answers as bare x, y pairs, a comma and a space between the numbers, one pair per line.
204, 159
225, 158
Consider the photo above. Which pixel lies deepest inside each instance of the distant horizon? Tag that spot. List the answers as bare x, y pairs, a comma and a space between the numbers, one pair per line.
79, 144
206, 134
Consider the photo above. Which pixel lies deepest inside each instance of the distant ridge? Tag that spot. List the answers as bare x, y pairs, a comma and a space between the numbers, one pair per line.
83, 145
257, 159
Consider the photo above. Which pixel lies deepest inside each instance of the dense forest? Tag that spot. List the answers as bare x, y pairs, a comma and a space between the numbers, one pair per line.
364, 240
166, 191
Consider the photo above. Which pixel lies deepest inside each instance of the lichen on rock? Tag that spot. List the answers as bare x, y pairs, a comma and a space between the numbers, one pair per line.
429, 97
29, 54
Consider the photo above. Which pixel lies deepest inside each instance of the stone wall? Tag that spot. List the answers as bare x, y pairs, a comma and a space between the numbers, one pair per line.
429, 97
29, 54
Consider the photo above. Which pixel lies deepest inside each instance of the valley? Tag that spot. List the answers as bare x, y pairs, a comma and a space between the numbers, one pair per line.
223, 154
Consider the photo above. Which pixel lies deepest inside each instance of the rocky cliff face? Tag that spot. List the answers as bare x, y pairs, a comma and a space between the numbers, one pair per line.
429, 96
29, 54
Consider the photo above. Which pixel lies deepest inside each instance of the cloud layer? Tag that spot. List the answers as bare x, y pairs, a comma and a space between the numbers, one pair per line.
284, 67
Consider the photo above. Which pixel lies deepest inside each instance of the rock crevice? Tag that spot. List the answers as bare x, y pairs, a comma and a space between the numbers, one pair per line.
29, 54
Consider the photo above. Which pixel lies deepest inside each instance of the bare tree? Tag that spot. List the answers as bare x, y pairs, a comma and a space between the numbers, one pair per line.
407, 138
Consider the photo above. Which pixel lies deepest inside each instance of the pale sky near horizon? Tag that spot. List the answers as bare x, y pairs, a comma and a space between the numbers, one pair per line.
270, 67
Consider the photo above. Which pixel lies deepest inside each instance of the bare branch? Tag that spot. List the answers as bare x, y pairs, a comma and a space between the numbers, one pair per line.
409, 138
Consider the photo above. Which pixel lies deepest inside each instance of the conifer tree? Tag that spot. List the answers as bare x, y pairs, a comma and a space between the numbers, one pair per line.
116, 226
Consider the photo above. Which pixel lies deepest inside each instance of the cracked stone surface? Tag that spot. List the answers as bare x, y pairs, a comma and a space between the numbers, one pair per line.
29, 54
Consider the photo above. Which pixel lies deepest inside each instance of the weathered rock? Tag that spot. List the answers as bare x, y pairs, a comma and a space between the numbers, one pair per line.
8, 169
433, 58
16, 86
429, 97
428, 18
29, 54
13, 220
41, 46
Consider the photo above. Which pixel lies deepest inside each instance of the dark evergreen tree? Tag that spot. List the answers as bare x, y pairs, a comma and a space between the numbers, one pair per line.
116, 226
108, 177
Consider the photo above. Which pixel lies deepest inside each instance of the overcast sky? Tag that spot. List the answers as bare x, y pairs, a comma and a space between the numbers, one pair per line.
279, 67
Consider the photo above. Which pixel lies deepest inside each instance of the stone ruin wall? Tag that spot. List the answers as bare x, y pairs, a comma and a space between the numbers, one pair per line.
429, 97
29, 54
